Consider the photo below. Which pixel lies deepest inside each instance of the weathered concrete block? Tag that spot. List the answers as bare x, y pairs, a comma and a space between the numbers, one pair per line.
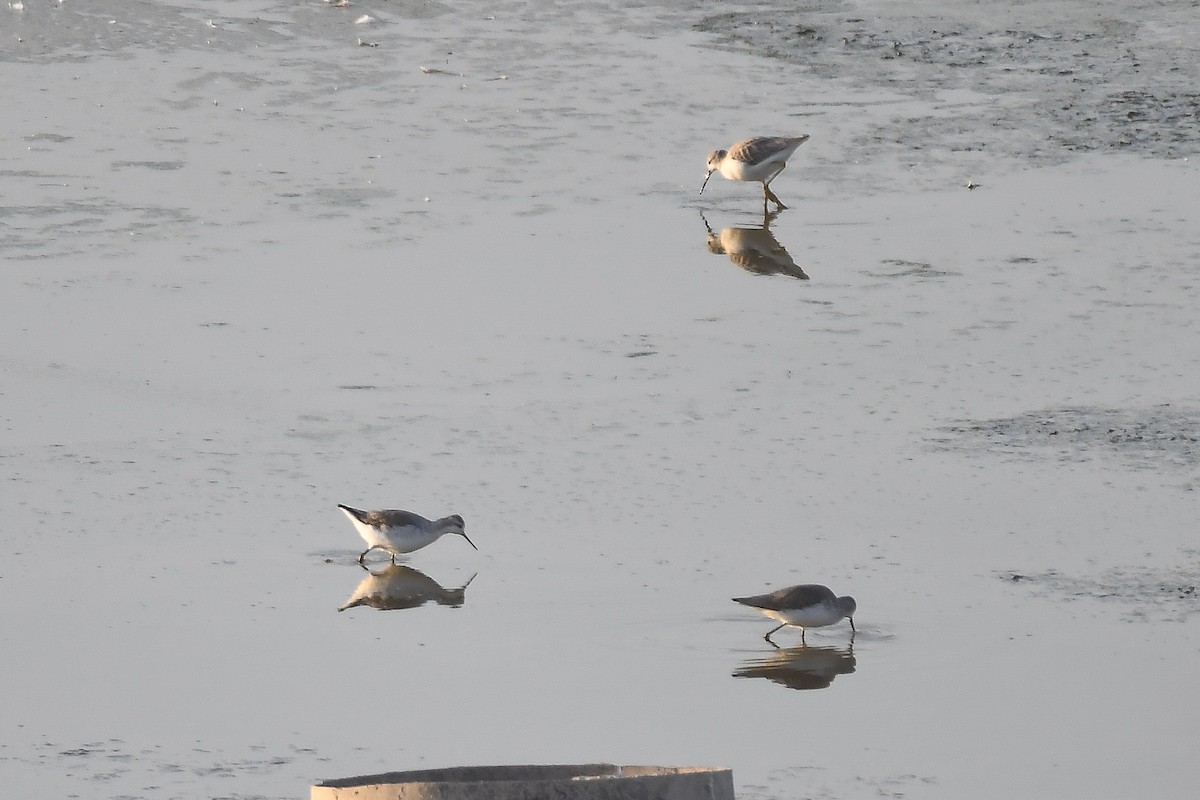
530, 782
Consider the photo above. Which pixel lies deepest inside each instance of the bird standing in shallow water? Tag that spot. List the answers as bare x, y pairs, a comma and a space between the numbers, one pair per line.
401, 531
759, 159
809, 605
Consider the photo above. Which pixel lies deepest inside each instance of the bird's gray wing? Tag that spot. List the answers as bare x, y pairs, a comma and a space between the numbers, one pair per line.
394, 518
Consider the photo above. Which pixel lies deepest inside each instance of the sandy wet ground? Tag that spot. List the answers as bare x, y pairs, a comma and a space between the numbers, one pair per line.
254, 269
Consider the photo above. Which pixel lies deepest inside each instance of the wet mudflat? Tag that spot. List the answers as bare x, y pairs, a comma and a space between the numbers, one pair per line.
291, 270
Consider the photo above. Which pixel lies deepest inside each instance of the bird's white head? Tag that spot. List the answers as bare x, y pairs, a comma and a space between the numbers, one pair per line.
714, 161
454, 524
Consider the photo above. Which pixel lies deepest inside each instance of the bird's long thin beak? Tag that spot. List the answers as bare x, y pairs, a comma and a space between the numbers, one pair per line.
706, 177
464, 535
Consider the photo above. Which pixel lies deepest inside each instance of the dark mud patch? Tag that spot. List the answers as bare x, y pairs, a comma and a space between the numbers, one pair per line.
1037, 82
1167, 594
1150, 438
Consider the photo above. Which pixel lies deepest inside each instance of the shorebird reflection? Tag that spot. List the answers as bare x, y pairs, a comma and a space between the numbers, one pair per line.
397, 587
754, 249
801, 667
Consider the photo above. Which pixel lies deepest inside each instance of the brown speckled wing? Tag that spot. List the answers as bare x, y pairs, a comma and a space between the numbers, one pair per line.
755, 151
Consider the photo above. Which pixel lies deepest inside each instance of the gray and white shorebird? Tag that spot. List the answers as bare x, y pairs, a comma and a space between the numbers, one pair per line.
809, 605
401, 531
759, 159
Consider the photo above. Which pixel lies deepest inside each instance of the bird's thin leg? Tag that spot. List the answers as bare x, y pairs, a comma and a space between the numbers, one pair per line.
852, 628
802, 632
363, 554
770, 195
393, 558
768, 636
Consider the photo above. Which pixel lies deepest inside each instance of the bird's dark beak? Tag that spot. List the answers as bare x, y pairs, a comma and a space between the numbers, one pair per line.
464, 535
706, 177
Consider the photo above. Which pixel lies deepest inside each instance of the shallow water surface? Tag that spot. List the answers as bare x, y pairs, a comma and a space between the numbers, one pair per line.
255, 267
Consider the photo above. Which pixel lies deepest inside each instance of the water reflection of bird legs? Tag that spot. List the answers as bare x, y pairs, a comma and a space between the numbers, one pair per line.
768, 218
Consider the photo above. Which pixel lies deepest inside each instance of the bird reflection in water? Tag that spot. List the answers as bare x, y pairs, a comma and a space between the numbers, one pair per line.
397, 587
754, 249
801, 667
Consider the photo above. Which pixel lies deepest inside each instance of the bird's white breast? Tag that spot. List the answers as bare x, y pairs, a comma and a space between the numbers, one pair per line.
812, 617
